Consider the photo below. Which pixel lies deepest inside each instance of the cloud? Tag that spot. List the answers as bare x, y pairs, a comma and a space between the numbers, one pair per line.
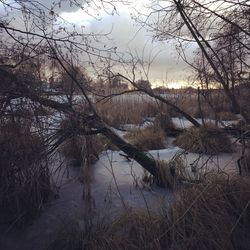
126, 35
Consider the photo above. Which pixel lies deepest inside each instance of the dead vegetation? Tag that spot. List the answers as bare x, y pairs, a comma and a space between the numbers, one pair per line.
79, 149
211, 215
131, 110
24, 173
204, 140
147, 138
163, 121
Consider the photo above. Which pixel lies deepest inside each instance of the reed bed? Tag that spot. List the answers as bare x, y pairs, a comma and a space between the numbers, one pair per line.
24, 172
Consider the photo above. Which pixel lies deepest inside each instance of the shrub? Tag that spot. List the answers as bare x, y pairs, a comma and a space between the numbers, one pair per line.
24, 172
207, 140
148, 138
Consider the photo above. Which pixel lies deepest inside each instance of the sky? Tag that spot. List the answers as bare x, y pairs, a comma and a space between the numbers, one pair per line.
167, 69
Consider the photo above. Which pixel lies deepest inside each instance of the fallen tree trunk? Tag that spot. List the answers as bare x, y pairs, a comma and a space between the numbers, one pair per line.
83, 123
139, 156
164, 177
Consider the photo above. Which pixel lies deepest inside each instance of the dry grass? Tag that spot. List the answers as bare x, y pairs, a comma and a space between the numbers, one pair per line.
107, 144
173, 174
210, 215
148, 138
189, 103
164, 122
207, 140
214, 214
24, 173
79, 148
133, 109
227, 116
117, 112
92, 233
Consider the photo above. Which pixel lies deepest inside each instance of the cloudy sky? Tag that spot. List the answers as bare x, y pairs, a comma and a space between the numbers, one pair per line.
167, 67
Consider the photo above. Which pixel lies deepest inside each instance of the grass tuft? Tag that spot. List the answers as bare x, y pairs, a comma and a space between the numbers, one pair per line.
24, 173
79, 148
207, 140
164, 122
148, 138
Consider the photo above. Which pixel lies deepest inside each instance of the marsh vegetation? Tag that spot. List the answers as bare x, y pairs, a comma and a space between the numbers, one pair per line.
93, 156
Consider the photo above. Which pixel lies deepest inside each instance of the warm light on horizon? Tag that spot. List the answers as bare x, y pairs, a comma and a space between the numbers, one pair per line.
178, 84
181, 84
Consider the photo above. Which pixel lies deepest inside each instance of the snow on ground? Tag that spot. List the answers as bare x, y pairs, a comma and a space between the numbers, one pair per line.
182, 123
179, 122
115, 186
121, 181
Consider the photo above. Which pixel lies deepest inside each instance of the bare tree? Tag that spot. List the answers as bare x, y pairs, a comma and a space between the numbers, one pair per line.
207, 23
63, 48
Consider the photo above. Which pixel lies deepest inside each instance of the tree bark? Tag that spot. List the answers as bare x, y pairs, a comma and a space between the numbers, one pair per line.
139, 156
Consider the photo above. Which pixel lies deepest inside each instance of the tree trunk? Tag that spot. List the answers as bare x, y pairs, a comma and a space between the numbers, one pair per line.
236, 108
139, 156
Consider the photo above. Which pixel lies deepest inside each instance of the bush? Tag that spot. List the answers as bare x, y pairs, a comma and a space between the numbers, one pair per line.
24, 172
148, 138
207, 140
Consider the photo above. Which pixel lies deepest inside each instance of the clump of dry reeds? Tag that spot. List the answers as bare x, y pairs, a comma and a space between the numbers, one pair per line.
164, 122
173, 172
82, 148
79, 148
205, 139
227, 116
24, 173
210, 215
79, 234
147, 138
